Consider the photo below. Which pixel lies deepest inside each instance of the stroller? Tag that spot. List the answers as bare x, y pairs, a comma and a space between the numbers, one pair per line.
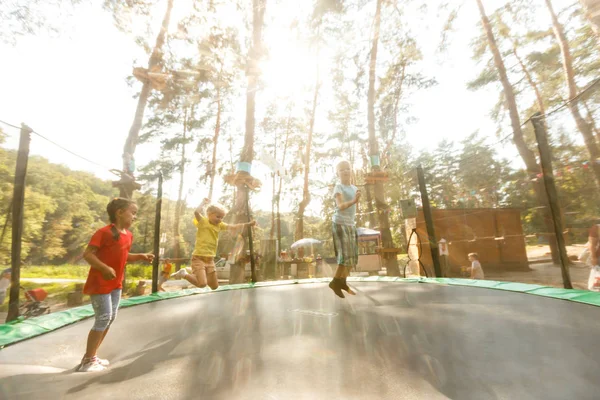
34, 305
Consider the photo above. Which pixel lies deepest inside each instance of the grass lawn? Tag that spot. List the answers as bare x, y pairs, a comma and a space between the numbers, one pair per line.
57, 292
67, 271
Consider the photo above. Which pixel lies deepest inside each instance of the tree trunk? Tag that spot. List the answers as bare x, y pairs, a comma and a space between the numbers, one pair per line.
126, 190
591, 121
278, 226
397, 97
179, 206
145, 236
278, 196
534, 86
274, 192
373, 144
533, 169
584, 127
252, 72
369, 196
273, 216
390, 259
308, 150
213, 162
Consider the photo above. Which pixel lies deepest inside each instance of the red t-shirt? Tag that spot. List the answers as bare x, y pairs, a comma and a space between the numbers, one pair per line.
112, 253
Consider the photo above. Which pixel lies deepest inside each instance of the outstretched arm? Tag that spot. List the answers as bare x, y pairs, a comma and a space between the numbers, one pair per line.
132, 257
201, 210
237, 227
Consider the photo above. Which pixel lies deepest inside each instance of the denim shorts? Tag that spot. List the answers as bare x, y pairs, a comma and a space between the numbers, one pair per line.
105, 309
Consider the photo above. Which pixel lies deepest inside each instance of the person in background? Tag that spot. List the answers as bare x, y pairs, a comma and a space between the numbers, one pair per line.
593, 248
164, 274
4, 284
475, 271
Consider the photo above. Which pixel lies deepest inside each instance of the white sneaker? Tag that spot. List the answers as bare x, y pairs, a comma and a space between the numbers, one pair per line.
179, 274
90, 365
102, 361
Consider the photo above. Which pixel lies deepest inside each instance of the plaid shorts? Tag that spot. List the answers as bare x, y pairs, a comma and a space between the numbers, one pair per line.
345, 244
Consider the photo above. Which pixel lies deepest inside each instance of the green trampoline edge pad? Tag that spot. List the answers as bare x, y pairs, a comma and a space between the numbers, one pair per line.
575, 295
23, 329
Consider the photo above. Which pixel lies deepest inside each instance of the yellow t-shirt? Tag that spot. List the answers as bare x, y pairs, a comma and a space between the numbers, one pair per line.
207, 237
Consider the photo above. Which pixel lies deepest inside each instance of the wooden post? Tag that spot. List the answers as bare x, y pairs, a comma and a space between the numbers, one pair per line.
17, 221
433, 245
157, 217
250, 244
546, 163
8, 213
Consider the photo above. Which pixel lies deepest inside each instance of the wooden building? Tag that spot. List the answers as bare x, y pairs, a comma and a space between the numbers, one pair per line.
496, 234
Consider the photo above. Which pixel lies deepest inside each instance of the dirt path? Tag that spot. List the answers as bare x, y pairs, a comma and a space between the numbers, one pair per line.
542, 251
546, 274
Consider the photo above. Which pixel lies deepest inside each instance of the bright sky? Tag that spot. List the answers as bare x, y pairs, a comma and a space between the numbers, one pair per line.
72, 89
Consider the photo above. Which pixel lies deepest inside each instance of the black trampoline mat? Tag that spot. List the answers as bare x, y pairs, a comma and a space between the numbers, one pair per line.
390, 341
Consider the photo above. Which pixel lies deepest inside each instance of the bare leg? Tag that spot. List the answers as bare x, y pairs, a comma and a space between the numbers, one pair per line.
213, 281
94, 340
198, 278
103, 336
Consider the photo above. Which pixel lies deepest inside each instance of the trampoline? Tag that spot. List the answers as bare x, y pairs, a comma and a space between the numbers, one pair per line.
393, 340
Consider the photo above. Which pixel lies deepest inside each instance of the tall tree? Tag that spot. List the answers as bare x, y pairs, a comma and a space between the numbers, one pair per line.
21, 18
308, 146
526, 154
148, 77
255, 53
585, 127
321, 10
289, 125
522, 16
592, 13
219, 58
180, 204
391, 261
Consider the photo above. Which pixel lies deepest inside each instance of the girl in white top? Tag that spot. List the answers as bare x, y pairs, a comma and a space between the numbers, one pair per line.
345, 238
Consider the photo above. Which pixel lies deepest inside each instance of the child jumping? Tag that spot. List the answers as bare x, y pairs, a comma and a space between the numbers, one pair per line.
107, 253
345, 238
209, 222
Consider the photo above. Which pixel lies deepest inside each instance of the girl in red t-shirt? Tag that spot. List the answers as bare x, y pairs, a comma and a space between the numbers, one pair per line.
107, 253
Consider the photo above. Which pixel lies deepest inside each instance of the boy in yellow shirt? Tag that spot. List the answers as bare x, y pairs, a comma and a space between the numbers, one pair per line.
209, 222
